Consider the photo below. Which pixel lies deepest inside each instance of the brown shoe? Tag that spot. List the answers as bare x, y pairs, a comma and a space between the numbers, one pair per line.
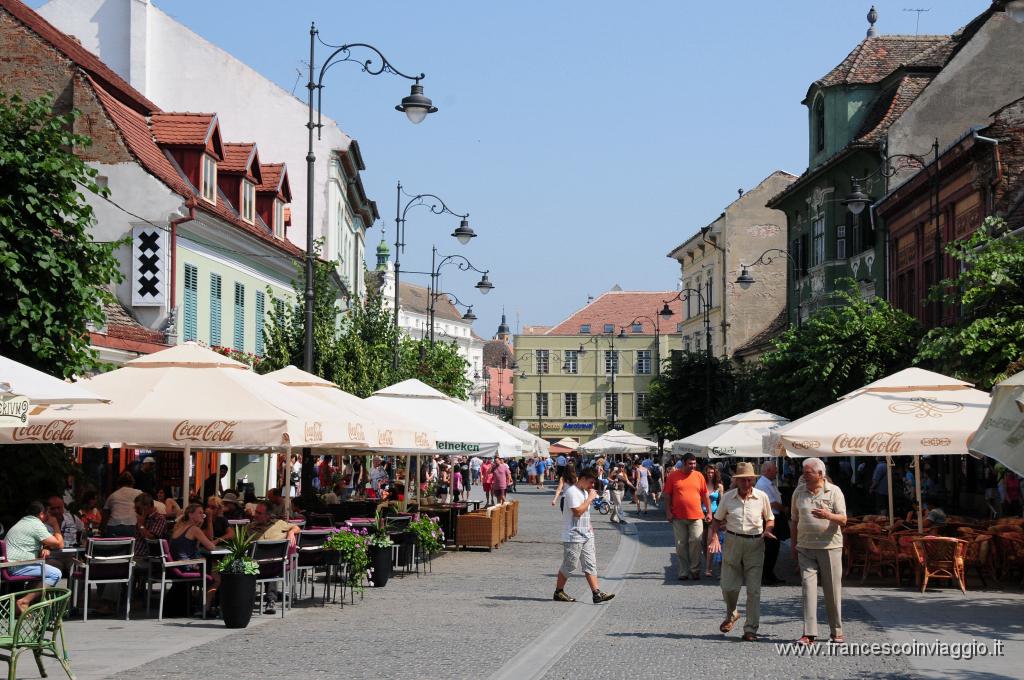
729, 622
750, 637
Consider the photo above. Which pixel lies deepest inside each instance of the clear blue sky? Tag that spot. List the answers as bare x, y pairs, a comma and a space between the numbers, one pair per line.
586, 139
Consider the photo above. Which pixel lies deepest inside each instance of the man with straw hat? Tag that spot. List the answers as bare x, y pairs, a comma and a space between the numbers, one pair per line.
746, 513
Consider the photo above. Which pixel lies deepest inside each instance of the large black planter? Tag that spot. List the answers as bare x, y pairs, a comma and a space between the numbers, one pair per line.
380, 560
237, 595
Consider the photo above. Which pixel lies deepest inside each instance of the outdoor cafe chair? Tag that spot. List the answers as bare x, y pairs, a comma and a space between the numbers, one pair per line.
39, 630
311, 556
1009, 553
320, 519
979, 554
165, 569
274, 562
941, 557
9, 581
106, 560
403, 552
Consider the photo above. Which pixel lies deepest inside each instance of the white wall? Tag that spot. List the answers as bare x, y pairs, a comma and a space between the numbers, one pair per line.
181, 71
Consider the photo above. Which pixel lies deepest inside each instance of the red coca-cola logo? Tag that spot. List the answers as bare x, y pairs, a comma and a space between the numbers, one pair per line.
314, 432
53, 431
877, 442
385, 438
214, 431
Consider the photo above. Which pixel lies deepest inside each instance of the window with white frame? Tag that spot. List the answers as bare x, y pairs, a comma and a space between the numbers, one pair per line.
841, 241
643, 361
638, 327
572, 361
278, 218
611, 405
541, 361
611, 361
542, 404
571, 404
641, 404
248, 201
819, 240
208, 181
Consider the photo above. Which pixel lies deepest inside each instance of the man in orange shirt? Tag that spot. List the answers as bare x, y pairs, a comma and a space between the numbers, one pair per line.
687, 507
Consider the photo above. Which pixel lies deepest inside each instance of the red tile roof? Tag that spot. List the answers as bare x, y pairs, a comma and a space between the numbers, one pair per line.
890, 106
875, 58
275, 180
183, 129
238, 156
82, 57
620, 308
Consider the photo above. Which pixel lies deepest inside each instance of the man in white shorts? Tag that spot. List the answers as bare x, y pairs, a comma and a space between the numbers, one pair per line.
578, 538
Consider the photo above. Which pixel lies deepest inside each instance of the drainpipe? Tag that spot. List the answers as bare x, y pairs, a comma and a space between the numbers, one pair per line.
190, 203
997, 160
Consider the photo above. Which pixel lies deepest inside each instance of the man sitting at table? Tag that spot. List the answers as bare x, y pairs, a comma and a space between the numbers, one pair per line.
34, 536
71, 527
266, 527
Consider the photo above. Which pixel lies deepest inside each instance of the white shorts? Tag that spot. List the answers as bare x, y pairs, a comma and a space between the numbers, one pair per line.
577, 555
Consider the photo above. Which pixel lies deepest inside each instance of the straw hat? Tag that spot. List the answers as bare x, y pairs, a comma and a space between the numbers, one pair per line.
744, 470
229, 498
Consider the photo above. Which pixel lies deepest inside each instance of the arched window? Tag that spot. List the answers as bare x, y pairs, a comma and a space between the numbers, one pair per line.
819, 124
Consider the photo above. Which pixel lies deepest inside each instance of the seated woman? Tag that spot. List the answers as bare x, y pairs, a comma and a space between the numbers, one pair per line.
185, 538
217, 527
171, 508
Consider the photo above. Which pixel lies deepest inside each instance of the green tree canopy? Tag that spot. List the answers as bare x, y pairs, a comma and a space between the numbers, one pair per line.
989, 291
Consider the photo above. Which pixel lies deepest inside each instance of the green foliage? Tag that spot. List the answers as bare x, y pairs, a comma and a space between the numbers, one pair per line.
989, 291
353, 548
429, 535
379, 538
237, 561
836, 351
53, 277
679, 399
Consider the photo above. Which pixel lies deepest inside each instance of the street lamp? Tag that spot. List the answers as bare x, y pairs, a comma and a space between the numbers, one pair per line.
745, 279
614, 410
540, 381
484, 285
468, 315
856, 201
667, 313
416, 107
463, 234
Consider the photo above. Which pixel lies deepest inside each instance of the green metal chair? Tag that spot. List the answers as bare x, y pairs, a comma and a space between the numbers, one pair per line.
39, 630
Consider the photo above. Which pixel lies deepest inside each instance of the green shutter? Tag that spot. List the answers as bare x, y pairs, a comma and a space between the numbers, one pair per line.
215, 302
260, 316
239, 317
191, 301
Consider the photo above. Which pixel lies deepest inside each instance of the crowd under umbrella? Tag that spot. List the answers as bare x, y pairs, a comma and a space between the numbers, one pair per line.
190, 397
912, 412
1001, 435
618, 443
738, 436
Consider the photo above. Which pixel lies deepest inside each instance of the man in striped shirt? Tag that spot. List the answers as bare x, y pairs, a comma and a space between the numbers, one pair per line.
578, 538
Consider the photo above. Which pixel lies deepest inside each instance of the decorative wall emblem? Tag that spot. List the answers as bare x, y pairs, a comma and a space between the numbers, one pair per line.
149, 266
804, 445
925, 408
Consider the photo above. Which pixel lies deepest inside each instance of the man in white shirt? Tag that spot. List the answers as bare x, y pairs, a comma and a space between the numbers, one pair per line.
474, 468
578, 538
766, 483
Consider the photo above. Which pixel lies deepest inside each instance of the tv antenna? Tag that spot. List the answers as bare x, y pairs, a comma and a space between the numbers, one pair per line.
919, 11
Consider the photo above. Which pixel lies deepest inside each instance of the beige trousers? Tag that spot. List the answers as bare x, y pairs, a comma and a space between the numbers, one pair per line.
742, 559
826, 566
615, 500
689, 545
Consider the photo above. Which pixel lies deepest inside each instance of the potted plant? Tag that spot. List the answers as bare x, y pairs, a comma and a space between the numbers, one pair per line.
238, 574
380, 552
350, 547
429, 535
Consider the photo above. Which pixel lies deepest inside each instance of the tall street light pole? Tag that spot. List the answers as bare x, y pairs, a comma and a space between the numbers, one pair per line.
484, 285
463, 233
767, 257
614, 368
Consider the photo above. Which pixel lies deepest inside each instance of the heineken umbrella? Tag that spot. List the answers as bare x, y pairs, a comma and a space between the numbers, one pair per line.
22, 386
458, 432
737, 436
388, 431
618, 442
1001, 435
532, 444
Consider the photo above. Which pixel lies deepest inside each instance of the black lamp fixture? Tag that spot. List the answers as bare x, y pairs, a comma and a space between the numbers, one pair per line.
856, 200
745, 279
417, 105
484, 285
463, 233
622, 334
666, 312
469, 315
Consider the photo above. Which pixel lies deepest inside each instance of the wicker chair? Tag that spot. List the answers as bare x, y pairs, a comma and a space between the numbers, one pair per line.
1009, 553
941, 557
979, 556
39, 630
479, 529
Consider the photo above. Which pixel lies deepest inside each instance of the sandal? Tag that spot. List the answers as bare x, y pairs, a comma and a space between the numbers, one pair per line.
750, 637
806, 640
729, 623
837, 639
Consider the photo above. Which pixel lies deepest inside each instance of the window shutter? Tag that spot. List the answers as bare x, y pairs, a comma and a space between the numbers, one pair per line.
191, 301
239, 339
260, 317
215, 307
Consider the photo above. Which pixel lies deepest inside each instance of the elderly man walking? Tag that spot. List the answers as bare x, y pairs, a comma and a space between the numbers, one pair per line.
819, 514
747, 516
687, 507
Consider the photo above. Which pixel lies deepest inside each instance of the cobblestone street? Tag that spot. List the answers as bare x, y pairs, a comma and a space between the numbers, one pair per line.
483, 614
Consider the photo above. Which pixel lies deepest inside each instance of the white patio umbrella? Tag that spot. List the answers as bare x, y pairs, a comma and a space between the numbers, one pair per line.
618, 442
1001, 435
911, 412
532, 444
569, 443
458, 431
737, 436
22, 386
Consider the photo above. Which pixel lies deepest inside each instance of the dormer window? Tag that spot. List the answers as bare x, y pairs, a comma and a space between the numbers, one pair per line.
248, 201
278, 218
208, 181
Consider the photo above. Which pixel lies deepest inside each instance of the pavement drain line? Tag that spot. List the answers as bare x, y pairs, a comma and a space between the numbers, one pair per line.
539, 655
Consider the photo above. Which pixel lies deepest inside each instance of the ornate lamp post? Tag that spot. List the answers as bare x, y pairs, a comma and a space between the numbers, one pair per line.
484, 285
540, 380
667, 313
746, 280
614, 366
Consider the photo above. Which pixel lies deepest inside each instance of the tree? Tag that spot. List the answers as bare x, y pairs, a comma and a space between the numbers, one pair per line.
989, 291
835, 351
55, 278
693, 393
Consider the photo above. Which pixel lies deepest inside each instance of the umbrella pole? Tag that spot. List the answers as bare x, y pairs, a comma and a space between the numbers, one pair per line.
888, 480
186, 457
917, 489
287, 481
405, 495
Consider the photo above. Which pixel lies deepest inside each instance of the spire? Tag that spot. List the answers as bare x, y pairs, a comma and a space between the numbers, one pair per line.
383, 255
872, 18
